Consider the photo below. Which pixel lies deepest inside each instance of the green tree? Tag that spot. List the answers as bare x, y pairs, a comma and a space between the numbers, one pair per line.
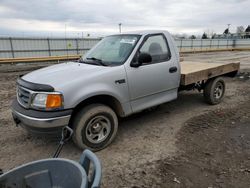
204, 36
240, 29
192, 37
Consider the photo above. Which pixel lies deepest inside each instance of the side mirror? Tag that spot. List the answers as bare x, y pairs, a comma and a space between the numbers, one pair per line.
143, 58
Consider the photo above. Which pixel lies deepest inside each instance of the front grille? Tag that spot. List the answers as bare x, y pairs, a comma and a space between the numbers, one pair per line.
23, 96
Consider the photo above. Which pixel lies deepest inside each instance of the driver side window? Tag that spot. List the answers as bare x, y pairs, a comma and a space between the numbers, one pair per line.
157, 47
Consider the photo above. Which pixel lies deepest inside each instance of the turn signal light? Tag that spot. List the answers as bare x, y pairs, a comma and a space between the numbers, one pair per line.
54, 101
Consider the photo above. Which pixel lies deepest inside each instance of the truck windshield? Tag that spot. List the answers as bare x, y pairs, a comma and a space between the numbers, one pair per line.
112, 50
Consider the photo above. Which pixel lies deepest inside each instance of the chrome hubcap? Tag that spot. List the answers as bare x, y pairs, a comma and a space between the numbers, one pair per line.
98, 129
218, 90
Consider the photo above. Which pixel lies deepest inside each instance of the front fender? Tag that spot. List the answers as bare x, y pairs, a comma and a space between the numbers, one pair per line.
119, 92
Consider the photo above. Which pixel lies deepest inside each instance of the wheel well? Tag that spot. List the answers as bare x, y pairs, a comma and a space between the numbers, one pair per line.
108, 100
231, 74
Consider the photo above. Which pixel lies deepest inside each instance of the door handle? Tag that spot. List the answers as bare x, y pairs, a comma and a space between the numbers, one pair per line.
172, 69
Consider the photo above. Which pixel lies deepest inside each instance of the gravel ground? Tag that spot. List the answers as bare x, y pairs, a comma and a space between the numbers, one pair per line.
184, 143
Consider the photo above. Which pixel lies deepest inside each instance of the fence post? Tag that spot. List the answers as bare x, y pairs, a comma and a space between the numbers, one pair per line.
67, 52
49, 46
11, 47
192, 45
77, 46
210, 44
201, 44
234, 44
218, 44
181, 45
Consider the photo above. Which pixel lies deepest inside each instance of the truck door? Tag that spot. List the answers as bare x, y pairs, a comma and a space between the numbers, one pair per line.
155, 82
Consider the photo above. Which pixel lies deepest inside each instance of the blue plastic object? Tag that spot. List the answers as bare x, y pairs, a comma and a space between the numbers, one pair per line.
86, 159
55, 172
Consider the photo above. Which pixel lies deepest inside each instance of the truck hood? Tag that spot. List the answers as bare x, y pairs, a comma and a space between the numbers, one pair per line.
61, 74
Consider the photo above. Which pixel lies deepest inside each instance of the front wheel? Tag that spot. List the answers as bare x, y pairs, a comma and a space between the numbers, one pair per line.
214, 90
95, 127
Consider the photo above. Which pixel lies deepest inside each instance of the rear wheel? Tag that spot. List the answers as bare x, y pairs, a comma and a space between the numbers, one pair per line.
214, 90
95, 127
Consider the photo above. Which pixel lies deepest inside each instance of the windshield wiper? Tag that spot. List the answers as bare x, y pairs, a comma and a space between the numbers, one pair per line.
97, 60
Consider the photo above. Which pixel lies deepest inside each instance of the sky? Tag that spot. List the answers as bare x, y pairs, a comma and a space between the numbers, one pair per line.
101, 17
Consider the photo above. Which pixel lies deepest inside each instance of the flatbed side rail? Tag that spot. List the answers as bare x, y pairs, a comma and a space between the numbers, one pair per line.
193, 72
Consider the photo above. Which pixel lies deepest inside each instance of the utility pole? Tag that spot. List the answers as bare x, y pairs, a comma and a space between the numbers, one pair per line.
120, 27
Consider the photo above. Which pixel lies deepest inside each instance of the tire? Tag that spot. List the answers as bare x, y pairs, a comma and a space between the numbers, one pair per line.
214, 90
95, 127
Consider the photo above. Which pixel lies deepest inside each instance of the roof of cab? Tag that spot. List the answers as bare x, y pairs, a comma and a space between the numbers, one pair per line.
145, 32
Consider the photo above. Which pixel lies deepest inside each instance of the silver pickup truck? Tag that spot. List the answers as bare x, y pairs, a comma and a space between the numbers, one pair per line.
123, 74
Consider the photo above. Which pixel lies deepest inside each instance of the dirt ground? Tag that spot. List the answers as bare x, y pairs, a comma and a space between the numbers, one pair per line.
184, 143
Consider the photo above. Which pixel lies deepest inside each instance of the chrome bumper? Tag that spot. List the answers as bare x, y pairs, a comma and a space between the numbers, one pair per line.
32, 122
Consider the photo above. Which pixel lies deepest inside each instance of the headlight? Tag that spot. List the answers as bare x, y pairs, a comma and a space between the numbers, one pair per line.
47, 101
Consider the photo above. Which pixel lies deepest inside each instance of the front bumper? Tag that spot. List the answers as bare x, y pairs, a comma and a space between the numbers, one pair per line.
40, 121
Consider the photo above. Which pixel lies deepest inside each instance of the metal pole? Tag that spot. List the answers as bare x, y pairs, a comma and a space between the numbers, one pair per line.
210, 44
192, 45
77, 47
11, 47
66, 42
49, 47
181, 45
234, 43
201, 44
120, 27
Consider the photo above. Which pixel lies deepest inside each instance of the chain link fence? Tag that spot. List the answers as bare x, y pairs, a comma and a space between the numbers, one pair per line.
15, 47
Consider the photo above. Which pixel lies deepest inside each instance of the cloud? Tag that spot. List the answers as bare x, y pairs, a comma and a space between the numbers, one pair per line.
183, 16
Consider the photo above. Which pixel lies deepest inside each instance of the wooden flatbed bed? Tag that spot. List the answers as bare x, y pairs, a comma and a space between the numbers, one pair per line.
192, 72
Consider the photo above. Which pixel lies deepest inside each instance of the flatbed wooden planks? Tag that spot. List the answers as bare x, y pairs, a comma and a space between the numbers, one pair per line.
192, 72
